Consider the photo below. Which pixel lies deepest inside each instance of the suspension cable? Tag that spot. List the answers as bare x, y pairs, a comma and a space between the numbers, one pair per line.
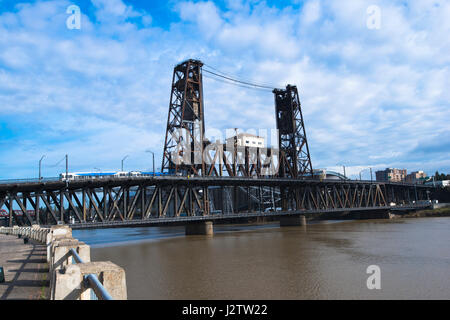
239, 78
234, 83
247, 83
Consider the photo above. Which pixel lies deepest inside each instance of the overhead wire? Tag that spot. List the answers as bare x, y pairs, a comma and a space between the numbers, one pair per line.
57, 164
234, 83
239, 81
235, 80
239, 78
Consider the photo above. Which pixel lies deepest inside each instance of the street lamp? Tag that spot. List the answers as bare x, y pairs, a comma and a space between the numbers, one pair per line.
123, 161
153, 156
40, 162
362, 171
342, 167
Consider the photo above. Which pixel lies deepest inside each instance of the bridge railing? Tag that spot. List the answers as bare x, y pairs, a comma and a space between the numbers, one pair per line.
91, 280
34, 232
72, 274
28, 180
147, 176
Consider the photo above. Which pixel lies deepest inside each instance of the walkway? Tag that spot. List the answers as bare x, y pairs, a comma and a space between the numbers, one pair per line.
26, 269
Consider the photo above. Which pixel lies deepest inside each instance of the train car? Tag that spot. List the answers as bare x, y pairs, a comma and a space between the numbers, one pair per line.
135, 174
122, 174
4, 213
85, 175
74, 176
151, 173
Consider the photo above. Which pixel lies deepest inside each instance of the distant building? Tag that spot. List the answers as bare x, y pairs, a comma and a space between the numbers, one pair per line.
247, 140
391, 174
416, 177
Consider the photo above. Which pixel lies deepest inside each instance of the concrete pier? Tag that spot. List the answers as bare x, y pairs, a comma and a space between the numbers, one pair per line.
200, 228
292, 221
383, 214
68, 273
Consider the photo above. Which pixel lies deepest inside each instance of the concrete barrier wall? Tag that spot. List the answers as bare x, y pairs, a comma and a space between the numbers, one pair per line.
67, 278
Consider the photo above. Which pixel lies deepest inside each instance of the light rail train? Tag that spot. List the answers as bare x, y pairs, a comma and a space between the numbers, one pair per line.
101, 175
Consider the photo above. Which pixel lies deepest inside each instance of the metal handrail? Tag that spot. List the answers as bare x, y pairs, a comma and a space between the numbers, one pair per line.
25, 180
97, 286
92, 279
76, 256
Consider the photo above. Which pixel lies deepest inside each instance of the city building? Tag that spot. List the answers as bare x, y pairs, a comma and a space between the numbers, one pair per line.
416, 177
391, 174
247, 140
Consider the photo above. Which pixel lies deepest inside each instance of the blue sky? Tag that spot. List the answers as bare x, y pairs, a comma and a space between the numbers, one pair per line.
371, 97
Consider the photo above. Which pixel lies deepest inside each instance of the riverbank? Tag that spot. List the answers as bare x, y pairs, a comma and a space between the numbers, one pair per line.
440, 212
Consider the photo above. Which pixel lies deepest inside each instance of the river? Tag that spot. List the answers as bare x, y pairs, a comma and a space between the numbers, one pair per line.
326, 260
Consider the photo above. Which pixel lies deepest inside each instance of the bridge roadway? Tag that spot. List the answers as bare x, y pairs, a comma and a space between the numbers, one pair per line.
182, 220
32, 185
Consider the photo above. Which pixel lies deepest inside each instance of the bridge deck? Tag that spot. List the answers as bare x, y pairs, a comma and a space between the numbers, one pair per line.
25, 267
6, 186
238, 216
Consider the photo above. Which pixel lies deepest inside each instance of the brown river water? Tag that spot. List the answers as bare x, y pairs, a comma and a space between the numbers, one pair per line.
327, 260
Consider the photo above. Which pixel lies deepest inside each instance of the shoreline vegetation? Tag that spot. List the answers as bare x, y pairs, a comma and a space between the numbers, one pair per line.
439, 212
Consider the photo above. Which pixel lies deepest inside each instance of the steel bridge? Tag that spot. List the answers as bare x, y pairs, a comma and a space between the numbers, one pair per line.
211, 180
144, 200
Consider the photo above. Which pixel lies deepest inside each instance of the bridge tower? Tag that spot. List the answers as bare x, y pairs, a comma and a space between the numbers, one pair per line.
183, 148
295, 160
292, 141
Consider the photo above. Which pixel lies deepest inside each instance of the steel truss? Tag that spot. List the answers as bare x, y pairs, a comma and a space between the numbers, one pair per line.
188, 152
183, 148
292, 134
141, 199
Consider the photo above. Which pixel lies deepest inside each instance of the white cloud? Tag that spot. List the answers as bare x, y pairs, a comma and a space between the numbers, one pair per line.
310, 12
369, 97
204, 14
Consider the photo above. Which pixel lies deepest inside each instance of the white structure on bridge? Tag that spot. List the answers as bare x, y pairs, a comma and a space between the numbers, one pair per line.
247, 140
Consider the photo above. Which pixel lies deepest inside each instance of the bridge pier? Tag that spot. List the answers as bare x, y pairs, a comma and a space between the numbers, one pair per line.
383, 214
200, 228
292, 221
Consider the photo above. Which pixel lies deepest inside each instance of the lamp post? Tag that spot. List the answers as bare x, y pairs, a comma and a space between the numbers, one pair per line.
40, 162
360, 173
153, 157
345, 176
123, 161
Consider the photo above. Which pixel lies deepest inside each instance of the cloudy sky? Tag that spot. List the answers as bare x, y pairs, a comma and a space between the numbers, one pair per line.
375, 88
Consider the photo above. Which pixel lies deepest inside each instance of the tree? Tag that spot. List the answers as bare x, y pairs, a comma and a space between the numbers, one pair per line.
441, 176
436, 176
